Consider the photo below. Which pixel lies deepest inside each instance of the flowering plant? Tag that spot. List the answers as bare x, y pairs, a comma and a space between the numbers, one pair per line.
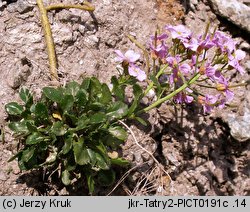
181, 63
75, 130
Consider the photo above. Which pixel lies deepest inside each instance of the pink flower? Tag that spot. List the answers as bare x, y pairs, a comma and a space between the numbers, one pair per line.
235, 58
158, 46
223, 86
178, 32
225, 43
191, 44
183, 97
130, 56
207, 43
185, 69
209, 71
208, 102
173, 61
136, 72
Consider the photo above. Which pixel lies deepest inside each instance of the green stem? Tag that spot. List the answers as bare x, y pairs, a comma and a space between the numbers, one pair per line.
238, 85
205, 86
157, 75
144, 50
160, 101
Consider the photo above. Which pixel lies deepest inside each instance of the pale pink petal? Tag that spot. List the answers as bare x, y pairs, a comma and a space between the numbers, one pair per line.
132, 56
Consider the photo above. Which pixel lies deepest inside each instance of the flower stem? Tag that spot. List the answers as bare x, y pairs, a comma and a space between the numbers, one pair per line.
238, 85
160, 101
205, 86
145, 52
157, 75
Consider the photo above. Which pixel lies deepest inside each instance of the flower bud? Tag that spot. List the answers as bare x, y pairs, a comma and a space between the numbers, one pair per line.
221, 87
202, 70
201, 100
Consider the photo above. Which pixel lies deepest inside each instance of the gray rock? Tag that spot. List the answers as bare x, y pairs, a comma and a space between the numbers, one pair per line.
239, 124
247, 65
2, 3
193, 4
19, 73
236, 12
24, 6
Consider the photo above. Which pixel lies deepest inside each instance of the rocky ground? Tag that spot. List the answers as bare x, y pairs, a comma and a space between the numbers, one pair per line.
199, 155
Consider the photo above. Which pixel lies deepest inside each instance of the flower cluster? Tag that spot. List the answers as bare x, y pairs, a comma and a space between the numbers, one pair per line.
190, 63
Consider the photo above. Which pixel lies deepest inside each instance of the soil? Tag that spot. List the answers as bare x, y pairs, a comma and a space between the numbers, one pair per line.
197, 154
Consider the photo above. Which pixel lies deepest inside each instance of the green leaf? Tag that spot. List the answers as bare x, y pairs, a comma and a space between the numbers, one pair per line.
72, 88
157, 84
106, 95
137, 90
101, 162
21, 165
96, 106
85, 84
34, 138
19, 127
52, 157
98, 118
58, 128
117, 110
26, 96
13, 108
141, 121
70, 164
31, 127
112, 141
90, 182
67, 145
117, 89
120, 162
53, 94
15, 156
92, 156
67, 103
106, 177
95, 86
118, 132
66, 177
82, 97
82, 122
137, 97
41, 113
28, 154
80, 152
70, 119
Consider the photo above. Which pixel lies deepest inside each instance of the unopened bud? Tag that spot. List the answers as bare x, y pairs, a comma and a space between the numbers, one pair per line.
221, 87
125, 64
202, 70
201, 100
153, 55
